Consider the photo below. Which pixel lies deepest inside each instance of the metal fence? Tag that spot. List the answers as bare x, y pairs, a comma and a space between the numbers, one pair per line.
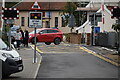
109, 39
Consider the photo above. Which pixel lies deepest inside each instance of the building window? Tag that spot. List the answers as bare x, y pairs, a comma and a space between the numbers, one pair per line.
56, 21
48, 14
28, 21
63, 22
22, 21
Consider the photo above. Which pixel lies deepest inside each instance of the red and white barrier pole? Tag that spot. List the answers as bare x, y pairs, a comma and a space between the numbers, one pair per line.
103, 19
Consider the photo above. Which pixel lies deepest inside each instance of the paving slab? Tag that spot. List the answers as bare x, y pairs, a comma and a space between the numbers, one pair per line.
30, 69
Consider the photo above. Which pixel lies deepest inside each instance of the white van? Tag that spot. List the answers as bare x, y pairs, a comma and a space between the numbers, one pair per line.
11, 60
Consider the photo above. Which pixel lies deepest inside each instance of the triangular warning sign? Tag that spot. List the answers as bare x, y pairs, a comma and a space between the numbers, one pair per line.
36, 6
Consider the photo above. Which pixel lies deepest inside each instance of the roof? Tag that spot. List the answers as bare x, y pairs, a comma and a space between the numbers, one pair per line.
43, 5
82, 26
107, 9
88, 9
95, 6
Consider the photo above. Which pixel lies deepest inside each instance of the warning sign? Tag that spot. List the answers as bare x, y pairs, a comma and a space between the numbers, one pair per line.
35, 19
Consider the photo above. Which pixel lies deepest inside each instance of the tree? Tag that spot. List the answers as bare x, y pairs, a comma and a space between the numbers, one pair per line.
10, 4
68, 10
116, 27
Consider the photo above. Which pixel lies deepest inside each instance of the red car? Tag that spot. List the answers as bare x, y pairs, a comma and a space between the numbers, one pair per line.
47, 35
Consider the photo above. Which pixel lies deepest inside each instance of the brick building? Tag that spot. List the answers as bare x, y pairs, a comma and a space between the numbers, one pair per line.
52, 15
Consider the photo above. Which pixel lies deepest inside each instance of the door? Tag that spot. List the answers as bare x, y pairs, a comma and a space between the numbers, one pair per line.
46, 36
42, 36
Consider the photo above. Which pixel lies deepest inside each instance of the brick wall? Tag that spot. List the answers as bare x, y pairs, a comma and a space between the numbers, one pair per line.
75, 38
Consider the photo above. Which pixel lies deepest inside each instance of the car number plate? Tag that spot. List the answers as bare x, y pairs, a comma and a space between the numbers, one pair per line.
20, 68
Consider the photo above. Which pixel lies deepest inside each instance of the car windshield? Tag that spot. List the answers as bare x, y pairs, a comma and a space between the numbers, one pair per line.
2, 45
37, 31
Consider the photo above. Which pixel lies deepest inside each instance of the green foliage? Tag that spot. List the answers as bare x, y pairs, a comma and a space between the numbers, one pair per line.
67, 36
10, 4
4, 34
68, 10
116, 27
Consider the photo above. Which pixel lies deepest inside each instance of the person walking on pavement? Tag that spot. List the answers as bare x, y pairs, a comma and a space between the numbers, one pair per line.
26, 37
18, 38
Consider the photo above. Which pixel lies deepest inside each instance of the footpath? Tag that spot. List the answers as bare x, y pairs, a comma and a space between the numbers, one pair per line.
30, 69
110, 54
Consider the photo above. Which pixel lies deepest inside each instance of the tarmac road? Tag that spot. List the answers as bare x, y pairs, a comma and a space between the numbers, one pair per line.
77, 64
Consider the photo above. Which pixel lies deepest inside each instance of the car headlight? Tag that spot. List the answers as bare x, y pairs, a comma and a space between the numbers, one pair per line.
7, 55
17, 58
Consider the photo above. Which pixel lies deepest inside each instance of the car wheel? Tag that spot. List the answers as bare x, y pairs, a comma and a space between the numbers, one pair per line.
33, 40
47, 43
57, 41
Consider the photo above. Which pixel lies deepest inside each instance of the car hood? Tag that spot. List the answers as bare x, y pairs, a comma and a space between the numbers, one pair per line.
14, 53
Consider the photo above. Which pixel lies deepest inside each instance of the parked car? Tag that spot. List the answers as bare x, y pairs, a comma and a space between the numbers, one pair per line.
11, 60
47, 35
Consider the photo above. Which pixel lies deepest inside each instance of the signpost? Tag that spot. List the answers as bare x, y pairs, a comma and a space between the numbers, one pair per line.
9, 15
35, 21
71, 21
94, 18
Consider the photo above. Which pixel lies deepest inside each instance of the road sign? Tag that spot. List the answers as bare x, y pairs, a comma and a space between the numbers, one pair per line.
35, 19
10, 13
36, 6
71, 21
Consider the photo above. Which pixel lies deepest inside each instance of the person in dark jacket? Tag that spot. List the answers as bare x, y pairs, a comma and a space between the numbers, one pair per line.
26, 37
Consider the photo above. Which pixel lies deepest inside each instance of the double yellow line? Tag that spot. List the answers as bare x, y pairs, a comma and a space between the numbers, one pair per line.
37, 49
101, 57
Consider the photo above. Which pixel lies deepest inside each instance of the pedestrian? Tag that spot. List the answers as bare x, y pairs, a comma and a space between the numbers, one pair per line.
18, 36
26, 37
22, 33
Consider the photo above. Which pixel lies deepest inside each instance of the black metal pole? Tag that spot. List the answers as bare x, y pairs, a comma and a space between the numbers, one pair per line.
10, 37
92, 33
35, 59
93, 29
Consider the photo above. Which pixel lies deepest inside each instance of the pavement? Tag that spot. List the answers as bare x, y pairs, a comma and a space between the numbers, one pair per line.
30, 69
107, 54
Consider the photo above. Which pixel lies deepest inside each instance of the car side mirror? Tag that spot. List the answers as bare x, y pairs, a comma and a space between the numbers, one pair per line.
40, 32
